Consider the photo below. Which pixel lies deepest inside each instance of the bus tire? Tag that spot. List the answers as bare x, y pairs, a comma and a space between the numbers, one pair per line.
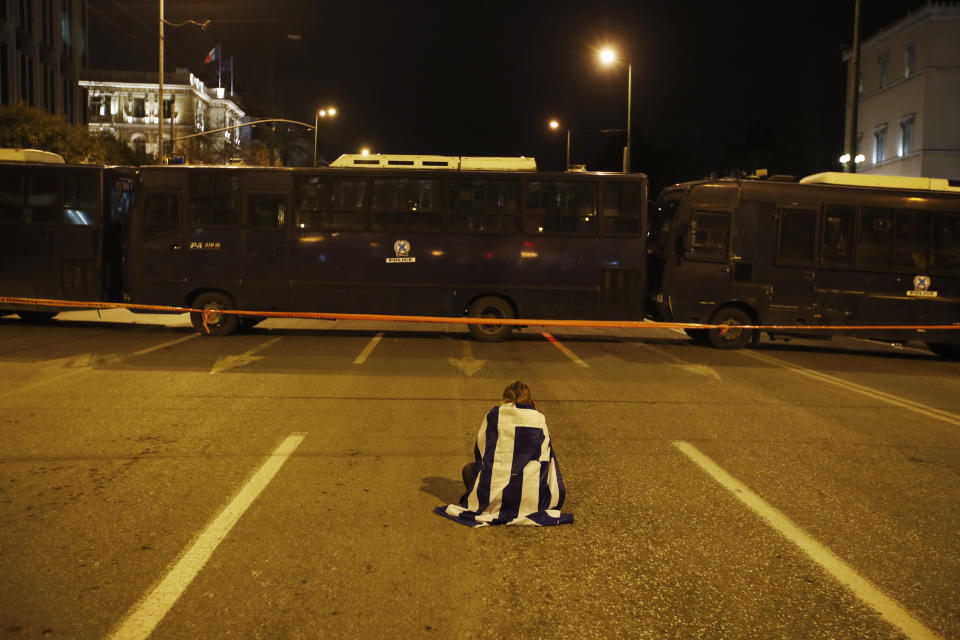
945, 350
220, 324
699, 336
36, 316
733, 338
490, 307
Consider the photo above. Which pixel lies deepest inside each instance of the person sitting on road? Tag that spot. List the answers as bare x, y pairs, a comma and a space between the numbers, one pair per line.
514, 478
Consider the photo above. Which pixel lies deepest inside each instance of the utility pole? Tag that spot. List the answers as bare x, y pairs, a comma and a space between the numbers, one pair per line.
160, 100
853, 93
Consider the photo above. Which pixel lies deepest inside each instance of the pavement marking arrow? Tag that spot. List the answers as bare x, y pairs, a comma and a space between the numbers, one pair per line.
231, 362
467, 364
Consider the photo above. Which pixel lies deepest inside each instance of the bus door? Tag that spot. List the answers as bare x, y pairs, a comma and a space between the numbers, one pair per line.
701, 278
155, 259
793, 281
265, 269
213, 249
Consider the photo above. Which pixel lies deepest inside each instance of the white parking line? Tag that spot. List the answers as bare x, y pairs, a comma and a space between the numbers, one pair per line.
922, 409
141, 620
565, 351
164, 345
367, 350
888, 608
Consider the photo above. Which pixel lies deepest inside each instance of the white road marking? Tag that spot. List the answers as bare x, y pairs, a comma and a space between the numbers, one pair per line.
367, 350
689, 367
141, 620
231, 362
888, 608
467, 364
164, 345
922, 409
565, 351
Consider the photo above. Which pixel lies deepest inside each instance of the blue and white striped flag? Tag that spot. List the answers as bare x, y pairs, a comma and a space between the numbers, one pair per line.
519, 481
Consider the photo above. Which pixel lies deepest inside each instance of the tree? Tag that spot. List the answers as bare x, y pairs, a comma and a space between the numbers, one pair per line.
25, 127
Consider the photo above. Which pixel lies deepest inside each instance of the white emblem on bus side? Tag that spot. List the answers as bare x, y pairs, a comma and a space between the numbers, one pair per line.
921, 288
402, 249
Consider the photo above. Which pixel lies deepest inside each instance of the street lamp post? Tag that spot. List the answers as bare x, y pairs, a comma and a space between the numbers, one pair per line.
608, 57
329, 112
555, 124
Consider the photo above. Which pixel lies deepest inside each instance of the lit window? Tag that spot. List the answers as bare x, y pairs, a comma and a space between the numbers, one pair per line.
909, 67
879, 144
884, 68
906, 135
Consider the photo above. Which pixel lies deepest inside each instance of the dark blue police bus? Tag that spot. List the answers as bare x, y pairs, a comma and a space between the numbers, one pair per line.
60, 230
834, 249
399, 235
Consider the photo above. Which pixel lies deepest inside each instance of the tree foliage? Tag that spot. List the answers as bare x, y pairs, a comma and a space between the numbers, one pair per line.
25, 127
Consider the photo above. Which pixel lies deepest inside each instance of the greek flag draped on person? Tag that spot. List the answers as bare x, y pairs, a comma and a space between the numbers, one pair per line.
519, 482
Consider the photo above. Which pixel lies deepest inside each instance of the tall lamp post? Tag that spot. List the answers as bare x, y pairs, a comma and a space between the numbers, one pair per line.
555, 124
203, 27
608, 57
329, 112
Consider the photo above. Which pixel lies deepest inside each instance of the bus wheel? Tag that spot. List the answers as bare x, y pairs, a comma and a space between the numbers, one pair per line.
945, 350
220, 324
490, 307
36, 316
732, 338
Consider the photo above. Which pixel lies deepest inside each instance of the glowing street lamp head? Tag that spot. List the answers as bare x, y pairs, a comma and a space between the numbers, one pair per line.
365, 151
607, 55
331, 111
322, 113
554, 124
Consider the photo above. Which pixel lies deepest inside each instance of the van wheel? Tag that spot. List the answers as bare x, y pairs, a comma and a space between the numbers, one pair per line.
220, 324
945, 350
36, 316
733, 338
490, 307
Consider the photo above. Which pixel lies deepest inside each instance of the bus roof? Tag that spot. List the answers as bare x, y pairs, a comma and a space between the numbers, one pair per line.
889, 182
30, 155
450, 163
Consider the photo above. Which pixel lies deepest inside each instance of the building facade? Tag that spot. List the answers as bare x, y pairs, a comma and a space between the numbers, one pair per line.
43, 54
126, 105
908, 120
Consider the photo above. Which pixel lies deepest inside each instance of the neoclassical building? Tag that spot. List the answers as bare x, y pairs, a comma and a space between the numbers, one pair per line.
125, 104
908, 120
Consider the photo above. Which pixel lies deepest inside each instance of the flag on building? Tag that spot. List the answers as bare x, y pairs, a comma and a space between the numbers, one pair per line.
213, 55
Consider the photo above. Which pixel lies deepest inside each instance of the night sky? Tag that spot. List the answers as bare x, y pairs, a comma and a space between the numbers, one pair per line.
717, 86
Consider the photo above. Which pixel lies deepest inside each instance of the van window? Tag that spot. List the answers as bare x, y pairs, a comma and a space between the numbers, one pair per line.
709, 235
161, 214
836, 245
798, 232
875, 235
911, 241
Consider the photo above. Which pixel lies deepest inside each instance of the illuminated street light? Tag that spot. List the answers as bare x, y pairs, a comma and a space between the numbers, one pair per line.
608, 57
554, 125
329, 112
364, 151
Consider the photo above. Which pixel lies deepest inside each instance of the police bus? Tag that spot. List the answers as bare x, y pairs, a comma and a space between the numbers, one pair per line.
404, 235
833, 249
60, 230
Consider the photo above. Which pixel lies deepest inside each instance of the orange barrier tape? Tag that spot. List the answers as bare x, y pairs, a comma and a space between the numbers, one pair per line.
540, 322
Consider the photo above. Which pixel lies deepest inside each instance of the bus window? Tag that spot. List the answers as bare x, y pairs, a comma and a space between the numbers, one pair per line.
11, 197
161, 214
798, 231
79, 191
622, 204
873, 243
482, 205
911, 241
42, 199
267, 210
331, 204
708, 236
214, 200
400, 203
561, 207
836, 246
946, 242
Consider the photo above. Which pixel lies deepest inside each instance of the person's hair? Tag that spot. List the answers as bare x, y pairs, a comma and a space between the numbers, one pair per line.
517, 393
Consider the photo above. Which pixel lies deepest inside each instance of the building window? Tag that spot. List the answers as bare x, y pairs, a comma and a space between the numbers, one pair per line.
910, 58
879, 144
168, 108
139, 108
906, 135
139, 143
860, 83
884, 68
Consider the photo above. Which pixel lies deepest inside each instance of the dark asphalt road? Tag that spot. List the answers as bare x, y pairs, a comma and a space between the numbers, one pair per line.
125, 437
